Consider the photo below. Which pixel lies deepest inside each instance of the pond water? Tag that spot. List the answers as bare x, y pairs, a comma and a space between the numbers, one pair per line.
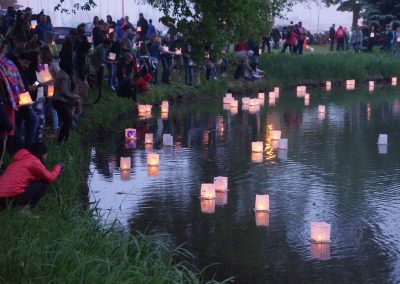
333, 171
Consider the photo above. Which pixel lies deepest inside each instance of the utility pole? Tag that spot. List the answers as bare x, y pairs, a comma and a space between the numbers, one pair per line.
123, 8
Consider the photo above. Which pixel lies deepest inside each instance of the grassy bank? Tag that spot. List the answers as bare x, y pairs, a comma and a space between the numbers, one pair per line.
66, 244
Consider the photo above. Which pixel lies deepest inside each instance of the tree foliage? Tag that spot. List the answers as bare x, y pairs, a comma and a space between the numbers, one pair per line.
381, 12
353, 6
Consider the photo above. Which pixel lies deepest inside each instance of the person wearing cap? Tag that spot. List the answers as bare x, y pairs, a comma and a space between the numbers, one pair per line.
143, 24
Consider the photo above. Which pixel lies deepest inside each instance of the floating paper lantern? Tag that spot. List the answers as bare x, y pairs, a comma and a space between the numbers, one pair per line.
125, 163
307, 97
139, 29
207, 191
125, 175
254, 109
221, 198
282, 154
227, 100
148, 108
275, 144
25, 99
283, 144
301, 90
153, 159
276, 134
50, 91
382, 149
321, 251
164, 106
45, 76
245, 107
227, 107
152, 171
394, 81
321, 109
262, 218
257, 147
245, 100
371, 84
306, 102
256, 157
320, 232
148, 138
261, 96
271, 102
207, 206
271, 95
321, 115
142, 110
234, 110
276, 90
383, 139
112, 56
130, 134
168, 140
164, 115
254, 102
221, 183
262, 203
33, 24
350, 84
234, 103
229, 95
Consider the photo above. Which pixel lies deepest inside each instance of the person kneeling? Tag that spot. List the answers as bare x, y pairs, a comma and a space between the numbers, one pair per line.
26, 179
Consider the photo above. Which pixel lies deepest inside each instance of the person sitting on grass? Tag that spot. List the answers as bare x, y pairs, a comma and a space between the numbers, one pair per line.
26, 179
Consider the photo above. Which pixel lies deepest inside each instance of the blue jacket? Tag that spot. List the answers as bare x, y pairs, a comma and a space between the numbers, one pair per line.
151, 30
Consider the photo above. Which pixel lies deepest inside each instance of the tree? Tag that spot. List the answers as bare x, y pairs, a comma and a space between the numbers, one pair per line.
381, 12
354, 6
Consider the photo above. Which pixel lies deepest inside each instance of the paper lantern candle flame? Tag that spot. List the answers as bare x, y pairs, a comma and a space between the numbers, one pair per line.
148, 138
112, 56
125, 163
207, 191
320, 232
245, 100
164, 106
262, 203
283, 144
153, 159
257, 157
50, 91
130, 134
168, 140
383, 139
221, 183
321, 109
276, 134
152, 171
207, 206
257, 147
25, 99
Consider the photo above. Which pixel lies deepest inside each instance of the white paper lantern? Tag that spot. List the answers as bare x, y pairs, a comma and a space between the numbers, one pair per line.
307, 97
383, 139
207, 206
306, 102
25, 99
221, 183
271, 95
262, 218
153, 159
234, 103
228, 95
261, 96
227, 107
257, 147
130, 134
148, 108
276, 134
227, 101
142, 109
112, 56
168, 140
207, 191
394, 81
321, 109
328, 84
371, 84
254, 102
164, 106
125, 163
245, 107
254, 109
276, 90
262, 202
245, 100
45, 76
148, 138
283, 144
320, 232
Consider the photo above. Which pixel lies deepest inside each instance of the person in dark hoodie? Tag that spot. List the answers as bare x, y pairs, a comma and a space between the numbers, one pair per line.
26, 179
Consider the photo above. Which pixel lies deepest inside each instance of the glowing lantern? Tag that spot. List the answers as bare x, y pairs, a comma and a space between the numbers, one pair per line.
306, 102
371, 84
227, 100
178, 51
245, 100
112, 56
261, 96
148, 138
254, 102
301, 90
166, 49
130, 134
207, 191
125, 175
164, 106
262, 219
234, 110
271, 95
45, 76
321, 115
152, 171
276, 134
148, 108
245, 107
228, 95
207, 206
257, 157
89, 39
50, 91
307, 97
321, 251
257, 147
168, 140
234, 103
153, 159
372, 35
254, 109
139, 29
328, 84
321, 109
125, 163
221, 198
164, 115
283, 144
262, 202
25, 99
130, 144
383, 139
271, 102
221, 183
276, 90
110, 30
275, 144
142, 109
350, 84
394, 81
259, 51
33, 24
282, 154
382, 149
148, 147
320, 232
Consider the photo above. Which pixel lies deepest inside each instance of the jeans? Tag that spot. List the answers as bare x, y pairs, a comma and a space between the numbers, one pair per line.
188, 72
38, 108
27, 125
112, 75
31, 196
300, 47
166, 63
65, 113
50, 110
332, 39
340, 44
356, 46
285, 46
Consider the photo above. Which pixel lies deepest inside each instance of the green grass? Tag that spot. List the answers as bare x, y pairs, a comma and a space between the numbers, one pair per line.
66, 244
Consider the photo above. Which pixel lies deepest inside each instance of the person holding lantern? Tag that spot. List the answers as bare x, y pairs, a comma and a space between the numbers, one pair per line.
26, 179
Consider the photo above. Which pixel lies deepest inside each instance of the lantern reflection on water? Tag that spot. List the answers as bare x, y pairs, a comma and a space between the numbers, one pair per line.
221, 183
130, 144
257, 157
257, 147
148, 138
262, 202
152, 171
262, 218
321, 115
271, 102
394, 81
321, 109
207, 191
207, 206
164, 106
271, 95
245, 100
320, 232
234, 104
383, 139
125, 175
276, 90
276, 134
282, 154
221, 198
382, 149
164, 115
125, 163
234, 110
307, 97
306, 102
321, 251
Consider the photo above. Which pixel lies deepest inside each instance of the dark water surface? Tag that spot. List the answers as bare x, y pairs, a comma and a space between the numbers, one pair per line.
333, 173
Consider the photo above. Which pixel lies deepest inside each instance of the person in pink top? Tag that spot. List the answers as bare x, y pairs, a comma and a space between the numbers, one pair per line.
301, 36
340, 36
26, 179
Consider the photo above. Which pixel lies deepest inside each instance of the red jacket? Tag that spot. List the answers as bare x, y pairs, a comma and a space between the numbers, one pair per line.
340, 33
25, 169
